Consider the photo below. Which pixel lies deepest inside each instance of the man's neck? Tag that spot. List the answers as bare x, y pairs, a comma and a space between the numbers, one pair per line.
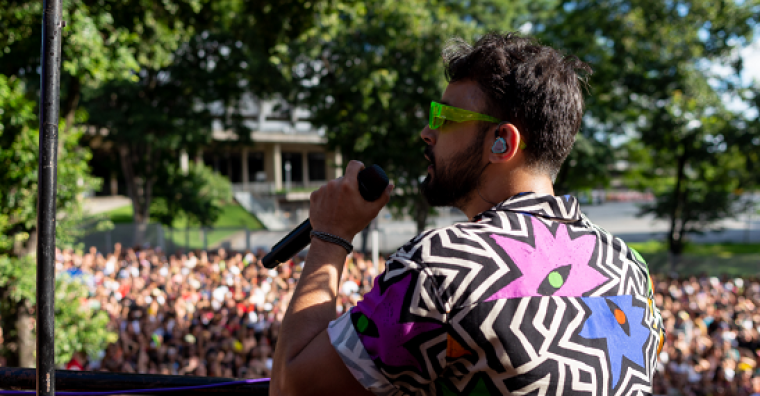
497, 189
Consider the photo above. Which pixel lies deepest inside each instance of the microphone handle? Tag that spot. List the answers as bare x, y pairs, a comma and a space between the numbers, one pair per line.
289, 246
372, 183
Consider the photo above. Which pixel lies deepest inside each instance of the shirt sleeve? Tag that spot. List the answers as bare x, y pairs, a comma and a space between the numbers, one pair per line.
394, 340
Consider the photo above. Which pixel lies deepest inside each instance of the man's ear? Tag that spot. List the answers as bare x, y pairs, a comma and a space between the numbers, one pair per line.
505, 134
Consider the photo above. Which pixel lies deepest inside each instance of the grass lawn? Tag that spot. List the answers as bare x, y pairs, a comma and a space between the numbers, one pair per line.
233, 215
734, 259
181, 237
233, 219
296, 190
122, 215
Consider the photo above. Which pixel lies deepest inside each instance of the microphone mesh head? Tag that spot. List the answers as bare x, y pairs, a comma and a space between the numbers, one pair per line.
372, 182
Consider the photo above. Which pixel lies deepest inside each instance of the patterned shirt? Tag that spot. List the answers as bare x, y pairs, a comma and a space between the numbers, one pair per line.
529, 298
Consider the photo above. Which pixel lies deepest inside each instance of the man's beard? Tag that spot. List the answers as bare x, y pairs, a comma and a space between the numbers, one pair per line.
452, 183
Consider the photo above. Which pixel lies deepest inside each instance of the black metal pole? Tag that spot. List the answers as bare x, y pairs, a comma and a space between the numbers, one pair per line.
46, 194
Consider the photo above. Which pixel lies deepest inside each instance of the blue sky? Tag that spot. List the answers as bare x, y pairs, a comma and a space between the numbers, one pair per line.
751, 72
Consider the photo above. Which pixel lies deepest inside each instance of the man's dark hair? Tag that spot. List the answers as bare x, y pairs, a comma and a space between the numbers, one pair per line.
534, 87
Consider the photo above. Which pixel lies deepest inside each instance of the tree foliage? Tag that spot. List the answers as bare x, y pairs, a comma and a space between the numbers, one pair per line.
651, 63
78, 327
20, 39
145, 71
747, 137
587, 166
171, 103
19, 148
693, 172
153, 111
197, 195
370, 74
19, 139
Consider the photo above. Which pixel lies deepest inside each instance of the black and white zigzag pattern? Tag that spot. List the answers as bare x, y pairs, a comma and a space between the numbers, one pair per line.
520, 346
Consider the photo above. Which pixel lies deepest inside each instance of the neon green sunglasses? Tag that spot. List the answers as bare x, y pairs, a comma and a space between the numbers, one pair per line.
440, 113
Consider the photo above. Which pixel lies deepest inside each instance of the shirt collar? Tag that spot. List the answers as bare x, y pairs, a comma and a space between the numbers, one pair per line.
563, 208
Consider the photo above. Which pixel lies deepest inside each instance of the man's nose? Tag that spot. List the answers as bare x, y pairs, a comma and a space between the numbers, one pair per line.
427, 135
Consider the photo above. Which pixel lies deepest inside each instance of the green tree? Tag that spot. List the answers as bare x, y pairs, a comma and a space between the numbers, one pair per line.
747, 137
148, 122
78, 326
370, 74
171, 105
701, 189
154, 112
121, 50
103, 42
19, 139
587, 166
651, 62
20, 42
198, 195
19, 149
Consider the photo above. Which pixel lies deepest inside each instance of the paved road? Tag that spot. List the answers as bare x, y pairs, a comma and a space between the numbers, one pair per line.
617, 218
621, 219
96, 205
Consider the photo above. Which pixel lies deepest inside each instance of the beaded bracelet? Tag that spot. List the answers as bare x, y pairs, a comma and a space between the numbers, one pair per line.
333, 239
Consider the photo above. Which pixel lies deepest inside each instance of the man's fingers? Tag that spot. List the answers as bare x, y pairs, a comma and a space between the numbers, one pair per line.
386, 197
352, 170
389, 191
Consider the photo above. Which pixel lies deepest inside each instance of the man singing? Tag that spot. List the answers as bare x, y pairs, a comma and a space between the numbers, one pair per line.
528, 297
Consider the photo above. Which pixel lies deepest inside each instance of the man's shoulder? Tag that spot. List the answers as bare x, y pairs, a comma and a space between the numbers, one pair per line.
504, 245
462, 246
615, 243
479, 238
458, 236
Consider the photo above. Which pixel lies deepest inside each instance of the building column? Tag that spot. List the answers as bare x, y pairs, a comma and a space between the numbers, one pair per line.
264, 108
244, 162
338, 164
184, 161
229, 165
114, 183
277, 159
305, 168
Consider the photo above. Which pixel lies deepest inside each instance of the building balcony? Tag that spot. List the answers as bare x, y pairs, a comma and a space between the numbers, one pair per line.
293, 191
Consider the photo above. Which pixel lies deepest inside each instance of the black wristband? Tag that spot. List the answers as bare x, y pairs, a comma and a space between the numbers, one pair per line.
333, 239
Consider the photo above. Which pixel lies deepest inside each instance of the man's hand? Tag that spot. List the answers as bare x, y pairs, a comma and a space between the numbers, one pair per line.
338, 208
305, 363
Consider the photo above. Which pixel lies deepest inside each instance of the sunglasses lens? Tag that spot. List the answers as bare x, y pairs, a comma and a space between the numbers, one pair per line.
435, 112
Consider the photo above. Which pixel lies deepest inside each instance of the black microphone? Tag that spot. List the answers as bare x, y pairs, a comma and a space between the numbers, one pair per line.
372, 184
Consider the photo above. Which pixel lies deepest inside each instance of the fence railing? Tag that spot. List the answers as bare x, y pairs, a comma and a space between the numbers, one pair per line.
271, 187
86, 381
392, 235
171, 240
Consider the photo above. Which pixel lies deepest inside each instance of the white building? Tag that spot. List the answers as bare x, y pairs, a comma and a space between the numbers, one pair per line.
286, 160
287, 154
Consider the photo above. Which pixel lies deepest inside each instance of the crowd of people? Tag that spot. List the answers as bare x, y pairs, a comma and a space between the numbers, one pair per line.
197, 313
713, 345
218, 314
